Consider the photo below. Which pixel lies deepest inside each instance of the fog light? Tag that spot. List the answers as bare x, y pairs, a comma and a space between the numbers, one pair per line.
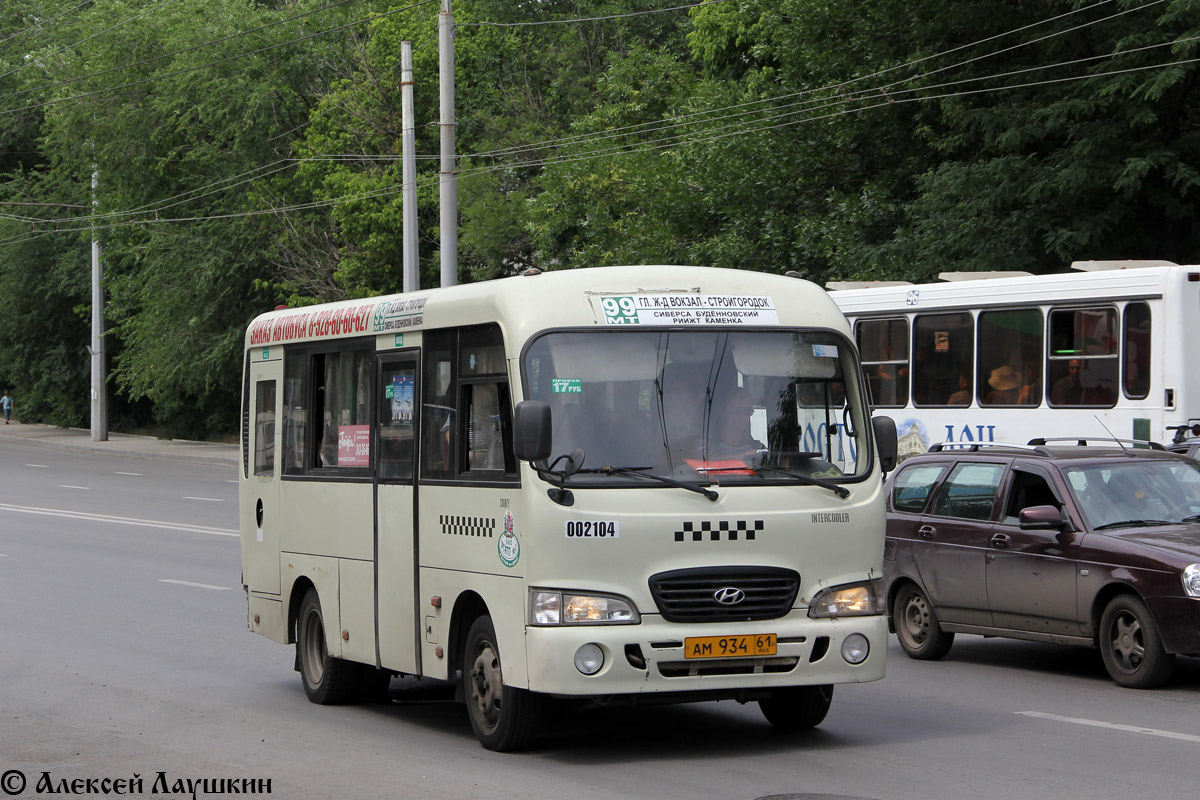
589, 659
854, 648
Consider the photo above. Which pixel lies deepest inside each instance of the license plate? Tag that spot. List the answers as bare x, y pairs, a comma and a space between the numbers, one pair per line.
755, 644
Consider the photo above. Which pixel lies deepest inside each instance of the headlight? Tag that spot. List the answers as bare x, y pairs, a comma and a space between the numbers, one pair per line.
848, 600
550, 607
1191, 579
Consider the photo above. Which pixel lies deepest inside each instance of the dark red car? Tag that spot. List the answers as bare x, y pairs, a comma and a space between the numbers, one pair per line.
1092, 543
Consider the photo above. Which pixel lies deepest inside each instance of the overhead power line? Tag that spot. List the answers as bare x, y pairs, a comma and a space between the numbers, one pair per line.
586, 19
645, 147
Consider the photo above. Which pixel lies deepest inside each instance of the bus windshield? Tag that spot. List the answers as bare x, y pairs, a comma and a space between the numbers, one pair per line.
714, 407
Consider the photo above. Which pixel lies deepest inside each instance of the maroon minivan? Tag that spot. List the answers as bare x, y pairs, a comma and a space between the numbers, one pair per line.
1092, 543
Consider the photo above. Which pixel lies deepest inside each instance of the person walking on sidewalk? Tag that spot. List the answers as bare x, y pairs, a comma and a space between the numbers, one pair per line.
6, 405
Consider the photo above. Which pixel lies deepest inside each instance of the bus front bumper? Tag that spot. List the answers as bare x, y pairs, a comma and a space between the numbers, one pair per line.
650, 657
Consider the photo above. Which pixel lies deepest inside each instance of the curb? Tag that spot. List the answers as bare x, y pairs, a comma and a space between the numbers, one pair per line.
123, 444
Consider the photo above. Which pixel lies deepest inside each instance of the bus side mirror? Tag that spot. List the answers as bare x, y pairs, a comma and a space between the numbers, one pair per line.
886, 441
531, 430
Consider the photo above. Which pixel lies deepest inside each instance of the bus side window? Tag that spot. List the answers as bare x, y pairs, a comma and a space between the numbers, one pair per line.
396, 416
438, 419
264, 428
883, 344
943, 350
1082, 366
1136, 353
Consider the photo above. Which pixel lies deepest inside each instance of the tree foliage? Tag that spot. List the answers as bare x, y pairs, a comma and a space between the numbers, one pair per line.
248, 153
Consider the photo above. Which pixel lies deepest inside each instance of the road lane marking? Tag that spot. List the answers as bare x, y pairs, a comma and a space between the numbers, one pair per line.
134, 474
206, 499
69, 486
1186, 737
146, 523
38, 466
197, 585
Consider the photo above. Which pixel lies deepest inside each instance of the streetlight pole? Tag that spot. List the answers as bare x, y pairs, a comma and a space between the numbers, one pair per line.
99, 390
448, 188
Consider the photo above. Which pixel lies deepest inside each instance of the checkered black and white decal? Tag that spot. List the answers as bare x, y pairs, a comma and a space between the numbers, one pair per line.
468, 526
723, 529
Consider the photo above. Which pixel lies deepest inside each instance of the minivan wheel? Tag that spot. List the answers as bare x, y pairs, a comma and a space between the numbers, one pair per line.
1131, 646
917, 625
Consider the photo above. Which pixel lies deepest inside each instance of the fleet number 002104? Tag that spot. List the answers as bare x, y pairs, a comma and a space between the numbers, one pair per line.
757, 644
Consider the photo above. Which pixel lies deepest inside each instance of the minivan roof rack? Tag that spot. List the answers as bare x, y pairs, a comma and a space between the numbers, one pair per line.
1096, 440
974, 447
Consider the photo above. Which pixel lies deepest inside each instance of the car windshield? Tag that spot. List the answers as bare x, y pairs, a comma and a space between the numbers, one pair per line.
708, 407
1136, 492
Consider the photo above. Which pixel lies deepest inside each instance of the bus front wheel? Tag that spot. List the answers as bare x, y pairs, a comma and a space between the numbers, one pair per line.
504, 718
327, 680
797, 708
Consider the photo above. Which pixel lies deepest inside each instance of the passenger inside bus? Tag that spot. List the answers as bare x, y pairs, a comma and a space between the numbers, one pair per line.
1006, 387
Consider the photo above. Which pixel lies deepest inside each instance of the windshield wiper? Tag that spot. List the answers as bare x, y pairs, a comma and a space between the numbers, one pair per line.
836, 488
638, 472
1133, 523
1192, 518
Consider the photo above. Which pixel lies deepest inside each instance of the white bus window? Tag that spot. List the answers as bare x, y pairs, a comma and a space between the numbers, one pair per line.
1010, 357
1136, 351
396, 416
326, 409
466, 407
943, 351
1081, 369
342, 382
438, 420
735, 407
883, 345
264, 428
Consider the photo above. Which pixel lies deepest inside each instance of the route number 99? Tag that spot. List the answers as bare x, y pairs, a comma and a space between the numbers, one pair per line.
619, 310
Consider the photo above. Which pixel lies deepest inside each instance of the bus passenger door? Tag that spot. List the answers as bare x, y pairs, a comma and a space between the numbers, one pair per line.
395, 518
261, 549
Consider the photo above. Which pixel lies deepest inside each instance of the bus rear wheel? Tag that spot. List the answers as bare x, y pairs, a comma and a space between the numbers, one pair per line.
327, 680
504, 718
797, 708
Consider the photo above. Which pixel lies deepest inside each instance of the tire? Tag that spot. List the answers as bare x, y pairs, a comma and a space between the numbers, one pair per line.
917, 625
798, 708
504, 718
1131, 646
327, 680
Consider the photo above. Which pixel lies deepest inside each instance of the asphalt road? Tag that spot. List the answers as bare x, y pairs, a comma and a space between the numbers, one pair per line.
124, 651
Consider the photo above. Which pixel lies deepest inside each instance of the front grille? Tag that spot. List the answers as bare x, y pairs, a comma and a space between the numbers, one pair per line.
689, 595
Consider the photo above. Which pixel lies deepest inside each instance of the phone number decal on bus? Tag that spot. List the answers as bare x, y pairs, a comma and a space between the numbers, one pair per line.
593, 529
689, 309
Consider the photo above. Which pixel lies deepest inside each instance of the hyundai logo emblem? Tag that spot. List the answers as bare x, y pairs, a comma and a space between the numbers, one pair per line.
729, 596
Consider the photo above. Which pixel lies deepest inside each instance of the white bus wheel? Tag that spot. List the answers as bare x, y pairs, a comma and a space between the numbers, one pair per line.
503, 718
797, 708
327, 680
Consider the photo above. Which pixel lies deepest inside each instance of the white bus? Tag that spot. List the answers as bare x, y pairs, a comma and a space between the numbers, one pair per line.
541, 487
1108, 350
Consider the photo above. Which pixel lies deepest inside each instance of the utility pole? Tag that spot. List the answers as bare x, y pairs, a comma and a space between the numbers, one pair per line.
99, 388
412, 276
448, 187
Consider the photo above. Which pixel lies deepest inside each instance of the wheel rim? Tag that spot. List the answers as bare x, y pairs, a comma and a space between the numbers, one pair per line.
1127, 645
487, 686
914, 622
314, 648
